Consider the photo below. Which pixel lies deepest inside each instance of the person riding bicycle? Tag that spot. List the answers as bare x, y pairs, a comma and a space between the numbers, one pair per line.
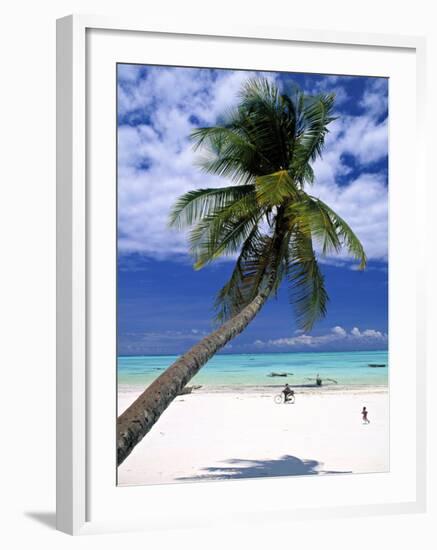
287, 391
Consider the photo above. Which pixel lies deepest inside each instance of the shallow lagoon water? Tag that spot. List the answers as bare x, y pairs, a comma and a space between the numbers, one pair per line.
348, 369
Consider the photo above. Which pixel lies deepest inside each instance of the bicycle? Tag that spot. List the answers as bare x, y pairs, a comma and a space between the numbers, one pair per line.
282, 399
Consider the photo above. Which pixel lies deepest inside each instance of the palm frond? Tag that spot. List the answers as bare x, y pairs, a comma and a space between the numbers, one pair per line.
306, 282
315, 116
226, 166
326, 227
316, 222
237, 292
346, 236
268, 118
274, 189
224, 231
259, 267
226, 152
200, 203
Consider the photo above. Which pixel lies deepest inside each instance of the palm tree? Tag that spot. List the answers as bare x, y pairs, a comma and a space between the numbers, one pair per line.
266, 218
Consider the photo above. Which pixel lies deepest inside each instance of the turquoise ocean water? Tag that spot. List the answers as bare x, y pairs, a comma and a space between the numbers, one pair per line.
245, 371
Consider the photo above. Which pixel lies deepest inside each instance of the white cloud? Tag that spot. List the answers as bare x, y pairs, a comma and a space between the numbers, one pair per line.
330, 84
157, 163
336, 335
339, 331
129, 73
375, 98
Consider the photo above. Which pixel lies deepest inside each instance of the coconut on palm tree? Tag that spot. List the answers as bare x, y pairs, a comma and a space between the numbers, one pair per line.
267, 219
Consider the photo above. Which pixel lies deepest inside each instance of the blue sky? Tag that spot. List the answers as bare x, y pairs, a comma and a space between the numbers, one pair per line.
164, 306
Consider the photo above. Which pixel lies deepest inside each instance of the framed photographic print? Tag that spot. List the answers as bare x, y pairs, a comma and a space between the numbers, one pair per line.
240, 275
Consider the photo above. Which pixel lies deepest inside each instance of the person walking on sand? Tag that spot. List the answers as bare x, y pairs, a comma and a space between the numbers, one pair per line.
364, 413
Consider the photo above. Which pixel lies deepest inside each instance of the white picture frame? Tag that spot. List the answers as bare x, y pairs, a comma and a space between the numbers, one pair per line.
74, 396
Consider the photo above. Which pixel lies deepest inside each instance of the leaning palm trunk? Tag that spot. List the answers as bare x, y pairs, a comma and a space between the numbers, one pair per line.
139, 418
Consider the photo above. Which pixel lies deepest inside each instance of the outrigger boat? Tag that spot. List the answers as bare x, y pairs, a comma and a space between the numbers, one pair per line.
319, 381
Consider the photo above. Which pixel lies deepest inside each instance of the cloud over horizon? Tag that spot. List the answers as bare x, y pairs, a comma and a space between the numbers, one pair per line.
337, 334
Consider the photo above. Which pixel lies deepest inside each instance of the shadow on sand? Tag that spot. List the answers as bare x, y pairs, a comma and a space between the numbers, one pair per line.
287, 465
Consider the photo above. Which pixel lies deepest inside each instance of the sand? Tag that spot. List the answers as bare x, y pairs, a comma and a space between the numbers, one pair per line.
215, 436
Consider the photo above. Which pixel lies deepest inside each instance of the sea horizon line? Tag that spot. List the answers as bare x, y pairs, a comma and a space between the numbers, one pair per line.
253, 353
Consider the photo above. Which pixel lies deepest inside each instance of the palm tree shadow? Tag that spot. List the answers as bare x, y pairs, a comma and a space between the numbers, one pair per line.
286, 465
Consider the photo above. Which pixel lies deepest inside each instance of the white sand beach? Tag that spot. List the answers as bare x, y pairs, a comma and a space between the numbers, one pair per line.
212, 436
